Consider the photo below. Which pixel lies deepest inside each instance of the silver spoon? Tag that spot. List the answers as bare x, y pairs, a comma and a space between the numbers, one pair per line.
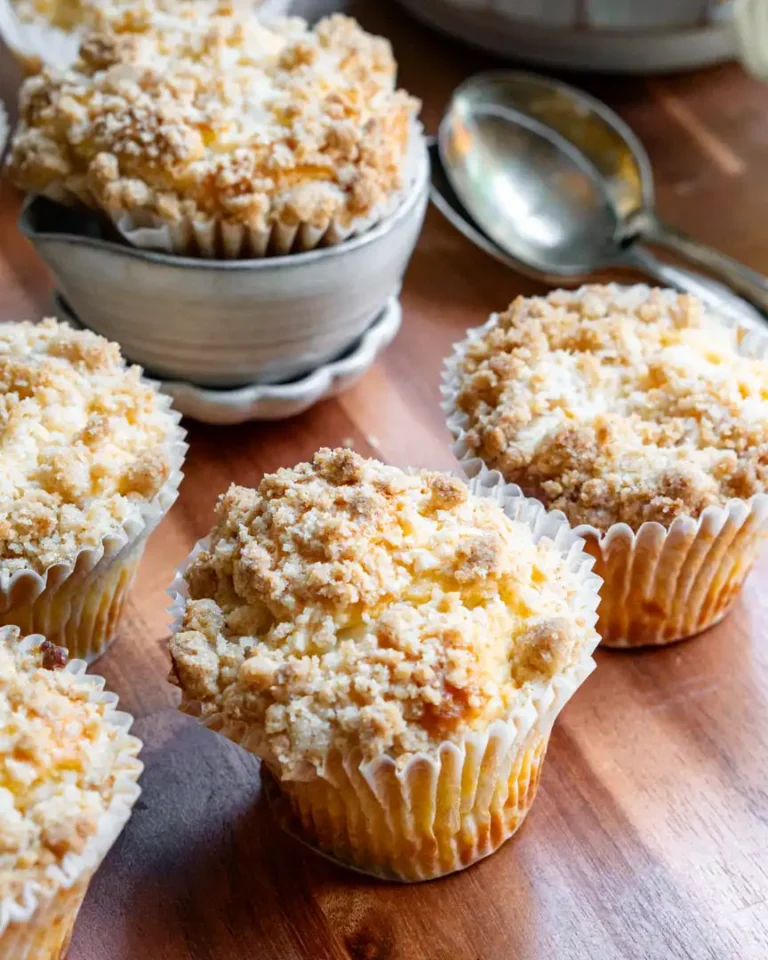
710, 291
563, 187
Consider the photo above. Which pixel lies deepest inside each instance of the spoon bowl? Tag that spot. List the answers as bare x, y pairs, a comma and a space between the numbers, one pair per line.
547, 171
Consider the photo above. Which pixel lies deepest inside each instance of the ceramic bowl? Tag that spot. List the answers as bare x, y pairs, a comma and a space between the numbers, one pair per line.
278, 401
226, 323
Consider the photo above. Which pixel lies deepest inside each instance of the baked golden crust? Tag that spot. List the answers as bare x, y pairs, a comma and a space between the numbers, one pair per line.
79, 16
345, 603
83, 442
57, 763
617, 405
218, 117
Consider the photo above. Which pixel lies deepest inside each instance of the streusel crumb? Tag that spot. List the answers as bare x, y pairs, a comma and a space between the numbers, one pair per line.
345, 603
205, 112
618, 405
83, 444
78, 16
57, 761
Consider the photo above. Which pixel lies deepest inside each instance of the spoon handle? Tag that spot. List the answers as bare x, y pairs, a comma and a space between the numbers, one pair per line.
750, 284
714, 294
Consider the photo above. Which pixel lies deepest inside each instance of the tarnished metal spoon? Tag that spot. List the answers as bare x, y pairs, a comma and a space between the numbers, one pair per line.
710, 291
562, 186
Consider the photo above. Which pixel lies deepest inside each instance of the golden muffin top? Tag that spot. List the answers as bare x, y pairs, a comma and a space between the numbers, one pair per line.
219, 116
83, 443
347, 604
618, 404
58, 762
81, 15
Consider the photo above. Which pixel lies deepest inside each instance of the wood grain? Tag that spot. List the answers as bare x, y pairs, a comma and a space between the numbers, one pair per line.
649, 838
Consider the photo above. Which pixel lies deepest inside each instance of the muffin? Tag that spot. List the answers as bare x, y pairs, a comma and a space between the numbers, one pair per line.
91, 458
643, 417
68, 782
49, 32
394, 646
219, 136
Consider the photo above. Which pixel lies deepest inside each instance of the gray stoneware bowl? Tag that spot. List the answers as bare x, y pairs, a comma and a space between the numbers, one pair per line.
226, 323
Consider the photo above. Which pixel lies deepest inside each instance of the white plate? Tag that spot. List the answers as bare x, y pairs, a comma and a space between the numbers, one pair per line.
277, 401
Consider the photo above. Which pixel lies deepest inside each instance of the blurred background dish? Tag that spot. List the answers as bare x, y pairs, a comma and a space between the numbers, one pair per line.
624, 36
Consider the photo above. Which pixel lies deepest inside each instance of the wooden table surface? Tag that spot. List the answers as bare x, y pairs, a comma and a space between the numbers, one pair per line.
649, 838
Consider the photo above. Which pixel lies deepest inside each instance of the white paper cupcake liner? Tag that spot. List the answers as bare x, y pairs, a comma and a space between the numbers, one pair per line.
433, 815
36, 45
37, 924
78, 603
661, 584
216, 239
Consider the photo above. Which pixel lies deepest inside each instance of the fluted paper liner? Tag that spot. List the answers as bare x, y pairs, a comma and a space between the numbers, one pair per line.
661, 584
37, 45
77, 605
212, 239
38, 924
433, 815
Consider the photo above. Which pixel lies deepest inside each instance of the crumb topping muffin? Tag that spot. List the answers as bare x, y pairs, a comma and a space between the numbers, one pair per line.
617, 405
57, 763
83, 444
345, 603
216, 116
78, 15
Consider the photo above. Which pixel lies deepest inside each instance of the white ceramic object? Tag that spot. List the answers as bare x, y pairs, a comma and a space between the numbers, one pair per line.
750, 18
280, 400
625, 36
228, 323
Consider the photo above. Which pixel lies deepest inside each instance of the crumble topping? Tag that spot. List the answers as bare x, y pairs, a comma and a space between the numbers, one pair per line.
57, 760
77, 16
83, 443
618, 405
345, 603
209, 113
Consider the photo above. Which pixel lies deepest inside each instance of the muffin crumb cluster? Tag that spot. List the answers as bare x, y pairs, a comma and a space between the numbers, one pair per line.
617, 405
201, 111
347, 603
83, 443
56, 768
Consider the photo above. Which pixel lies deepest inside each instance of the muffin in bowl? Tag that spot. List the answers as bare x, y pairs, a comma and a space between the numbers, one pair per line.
220, 136
643, 417
91, 458
395, 646
48, 32
68, 782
